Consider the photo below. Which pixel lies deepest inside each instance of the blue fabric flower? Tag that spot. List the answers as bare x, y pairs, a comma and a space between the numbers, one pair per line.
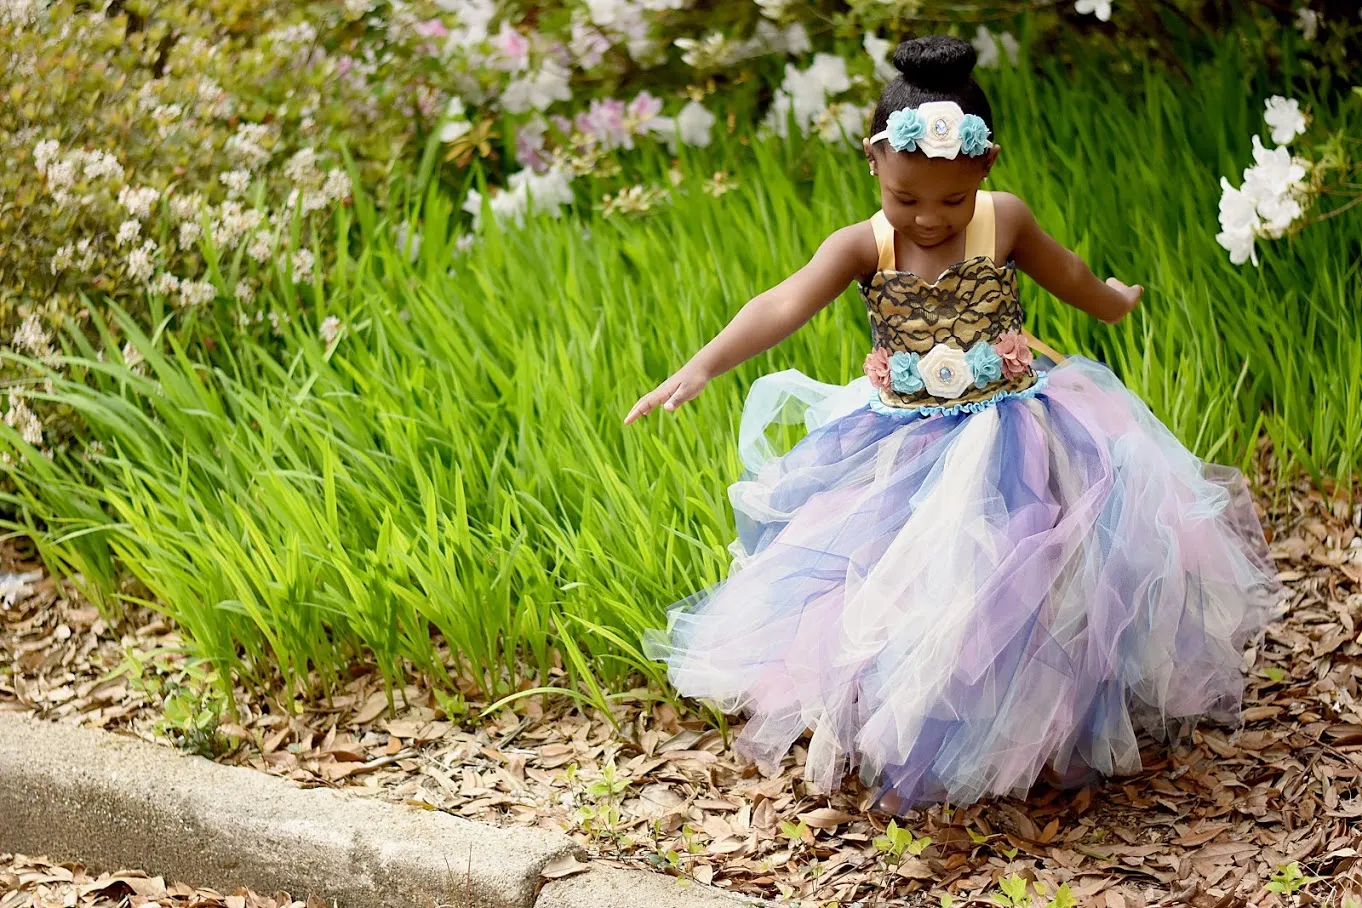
974, 136
984, 362
905, 128
903, 376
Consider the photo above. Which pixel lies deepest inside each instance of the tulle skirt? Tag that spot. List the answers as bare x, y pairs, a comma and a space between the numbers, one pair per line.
952, 602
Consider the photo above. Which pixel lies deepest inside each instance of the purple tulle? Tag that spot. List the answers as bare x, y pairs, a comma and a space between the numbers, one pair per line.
950, 603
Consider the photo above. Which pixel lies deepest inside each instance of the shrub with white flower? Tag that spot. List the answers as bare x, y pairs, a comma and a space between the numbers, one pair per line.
1275, 193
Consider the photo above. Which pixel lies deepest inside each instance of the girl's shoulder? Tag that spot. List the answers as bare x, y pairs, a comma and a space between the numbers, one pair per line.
1010, 217
858, 246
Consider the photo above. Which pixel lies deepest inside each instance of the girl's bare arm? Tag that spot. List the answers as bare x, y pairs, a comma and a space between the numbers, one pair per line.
771, 316
1059, 270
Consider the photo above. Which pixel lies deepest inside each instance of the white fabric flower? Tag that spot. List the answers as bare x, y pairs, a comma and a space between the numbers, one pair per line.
945, 372
1285, 118
943, 129
1099, 8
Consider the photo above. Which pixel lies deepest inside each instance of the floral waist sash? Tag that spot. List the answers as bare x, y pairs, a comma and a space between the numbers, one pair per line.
945, 372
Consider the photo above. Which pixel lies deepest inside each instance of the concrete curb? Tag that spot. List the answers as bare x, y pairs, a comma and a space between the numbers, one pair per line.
115, 802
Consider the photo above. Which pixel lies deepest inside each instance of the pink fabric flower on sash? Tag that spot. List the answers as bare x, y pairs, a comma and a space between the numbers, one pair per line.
1016, 355
877, 368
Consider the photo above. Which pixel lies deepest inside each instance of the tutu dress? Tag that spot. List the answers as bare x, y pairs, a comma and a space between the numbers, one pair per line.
964, 575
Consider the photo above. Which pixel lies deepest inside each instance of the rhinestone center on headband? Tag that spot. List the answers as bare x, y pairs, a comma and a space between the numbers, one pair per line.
940, 127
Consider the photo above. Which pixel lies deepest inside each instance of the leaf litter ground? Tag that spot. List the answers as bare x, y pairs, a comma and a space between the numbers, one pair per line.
1207, 823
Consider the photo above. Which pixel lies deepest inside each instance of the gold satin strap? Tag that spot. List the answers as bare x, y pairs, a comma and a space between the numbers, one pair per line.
981, 233
884, 240
1041, 347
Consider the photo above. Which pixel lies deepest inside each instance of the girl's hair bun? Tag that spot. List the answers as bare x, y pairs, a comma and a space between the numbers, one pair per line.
936, 62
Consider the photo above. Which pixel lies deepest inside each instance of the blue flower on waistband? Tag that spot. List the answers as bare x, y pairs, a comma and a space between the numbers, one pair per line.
905, 128
973, 135
903, 376
985, 363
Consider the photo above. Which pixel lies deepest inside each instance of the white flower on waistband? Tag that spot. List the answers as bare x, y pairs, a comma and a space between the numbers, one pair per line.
945, 371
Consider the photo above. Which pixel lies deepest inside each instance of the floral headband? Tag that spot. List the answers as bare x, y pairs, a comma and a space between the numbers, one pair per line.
939, 129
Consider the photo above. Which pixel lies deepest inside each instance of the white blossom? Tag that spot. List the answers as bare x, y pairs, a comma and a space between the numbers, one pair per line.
1285, 118
337, 185
1099, 8
140, 265
244, 292
248, 145
1307, 20
63, 258
132, 357
87, 254
261, 247
20, 417
694, 124
61, 175
102, 164
804, 93
302, 168
44, 153
774, 9
844, 122
302, 266
537, 90
32, 337
128, 231
235, 181
879, 50
991, 48
197, 293
166, 284
329, 330
138, 201
186, 207
190, 231
1274, 172
20, 12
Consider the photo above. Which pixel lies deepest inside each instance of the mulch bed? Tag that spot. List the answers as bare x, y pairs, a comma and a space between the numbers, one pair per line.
1207, 823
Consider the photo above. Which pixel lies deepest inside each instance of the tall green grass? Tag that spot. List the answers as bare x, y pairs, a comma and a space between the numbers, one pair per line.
450, 488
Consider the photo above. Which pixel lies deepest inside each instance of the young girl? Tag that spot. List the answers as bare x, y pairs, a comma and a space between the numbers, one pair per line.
972, 569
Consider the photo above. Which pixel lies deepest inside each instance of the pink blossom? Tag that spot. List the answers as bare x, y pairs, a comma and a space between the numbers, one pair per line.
513, 47
344, 65
1015, 353
529, 146
562, 124
604, 121
589, 45
432, 28
877, 368
644, 107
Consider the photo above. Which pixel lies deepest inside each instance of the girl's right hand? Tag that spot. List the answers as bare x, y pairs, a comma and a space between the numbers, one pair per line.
686, 384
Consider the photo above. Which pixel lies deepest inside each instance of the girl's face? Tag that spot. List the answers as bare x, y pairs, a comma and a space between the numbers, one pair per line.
928, 199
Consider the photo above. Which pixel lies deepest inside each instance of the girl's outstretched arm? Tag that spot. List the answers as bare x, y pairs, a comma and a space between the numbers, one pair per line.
770, 317
1060, 271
